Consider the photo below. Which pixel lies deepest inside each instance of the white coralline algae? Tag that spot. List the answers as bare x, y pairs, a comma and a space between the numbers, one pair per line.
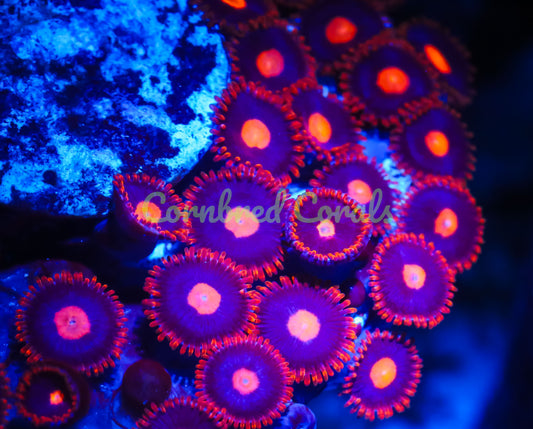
89, 89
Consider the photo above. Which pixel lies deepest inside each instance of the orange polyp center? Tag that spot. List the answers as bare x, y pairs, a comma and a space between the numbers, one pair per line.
204, 298
303, 325
414, 276
56, 397
148, 211
383, 373
326, 229
437, 143
393, 80
446, 223
236, 4
255, 133
340, 30
437, 59
72, 323
245, 381
241, 222
319, 127
360, 191
270, 63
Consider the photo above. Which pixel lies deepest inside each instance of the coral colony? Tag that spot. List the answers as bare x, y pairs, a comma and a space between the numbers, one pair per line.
331, 210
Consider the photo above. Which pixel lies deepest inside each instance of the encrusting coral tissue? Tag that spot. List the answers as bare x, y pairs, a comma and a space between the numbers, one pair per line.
279, 187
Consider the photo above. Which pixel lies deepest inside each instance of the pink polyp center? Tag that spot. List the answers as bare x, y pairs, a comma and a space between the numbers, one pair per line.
340, 30
270, 63
72, 323
326, 229
383, 373
360, 191
414, 276
241, 222
446, 223
304, 325
245, 381
56, 397
204, 298
148, 211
